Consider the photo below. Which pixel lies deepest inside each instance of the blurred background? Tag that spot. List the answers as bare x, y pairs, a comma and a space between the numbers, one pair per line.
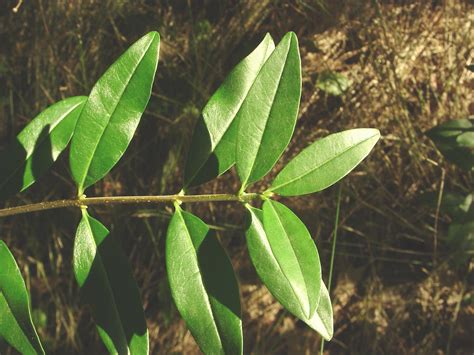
400, 285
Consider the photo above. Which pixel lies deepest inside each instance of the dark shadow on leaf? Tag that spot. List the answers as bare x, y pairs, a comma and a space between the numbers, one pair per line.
218, 274
109, 287
11, 173
198, 172
42, 158
17, 171
448, 139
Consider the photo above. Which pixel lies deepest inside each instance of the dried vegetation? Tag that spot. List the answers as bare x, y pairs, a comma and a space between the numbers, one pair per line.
396, 288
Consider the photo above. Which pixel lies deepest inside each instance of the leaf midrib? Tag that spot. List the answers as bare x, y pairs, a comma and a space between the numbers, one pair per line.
277, 262
269, 113
86, 175
199, 272
198, 170
273, 188
299, 265
262, 62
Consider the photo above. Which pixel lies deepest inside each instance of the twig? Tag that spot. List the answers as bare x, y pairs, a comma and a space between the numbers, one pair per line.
124, 200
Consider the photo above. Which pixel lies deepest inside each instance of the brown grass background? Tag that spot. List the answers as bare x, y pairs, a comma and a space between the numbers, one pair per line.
392, 294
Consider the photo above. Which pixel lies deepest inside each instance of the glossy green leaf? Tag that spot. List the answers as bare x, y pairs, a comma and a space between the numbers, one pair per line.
107, 285
16, 325
268, 115
455, 140
333, 83
273, 269
212, 150
38, 146
203, 285
325, 162
112, 112
295, 252
322, 319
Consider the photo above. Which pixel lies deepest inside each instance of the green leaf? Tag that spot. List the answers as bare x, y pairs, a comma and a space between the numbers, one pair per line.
269, 270
268, 115
461, 236
455, 204
333, 83
112, 112
203, 285
325, 162
276, 268
16, 325
107, 284
322, 319
455, 140
212, 150
295, 252
38, 146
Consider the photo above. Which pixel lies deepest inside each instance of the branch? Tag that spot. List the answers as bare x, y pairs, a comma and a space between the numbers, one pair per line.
124, 200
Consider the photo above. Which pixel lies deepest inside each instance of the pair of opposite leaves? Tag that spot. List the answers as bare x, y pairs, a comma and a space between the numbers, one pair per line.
101, 127
106, 282
249, 122
206, 291
104, 153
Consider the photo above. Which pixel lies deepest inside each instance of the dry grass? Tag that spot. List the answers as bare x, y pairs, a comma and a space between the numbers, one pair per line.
405, 61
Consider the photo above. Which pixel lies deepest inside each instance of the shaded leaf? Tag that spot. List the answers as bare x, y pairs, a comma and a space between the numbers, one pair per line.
268, 115
461, 236
454, 204
38, 146
295, 252
112, 112
107, 284
212, 150
203, 285
455, 140
16, 325
333, 83
325, 162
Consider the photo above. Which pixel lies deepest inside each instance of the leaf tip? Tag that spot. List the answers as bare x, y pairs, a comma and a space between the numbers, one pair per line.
152, 35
